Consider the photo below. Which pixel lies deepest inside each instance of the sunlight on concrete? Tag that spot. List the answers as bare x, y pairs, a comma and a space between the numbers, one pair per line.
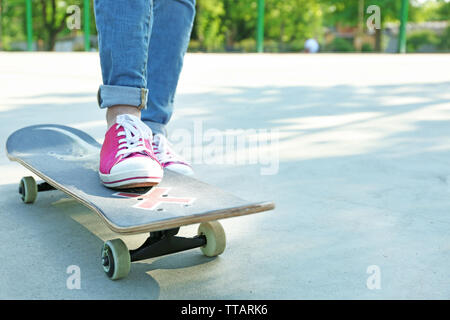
362, 177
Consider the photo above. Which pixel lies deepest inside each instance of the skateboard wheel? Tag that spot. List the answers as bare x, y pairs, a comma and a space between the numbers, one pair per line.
116, 259
28, 189
215, 238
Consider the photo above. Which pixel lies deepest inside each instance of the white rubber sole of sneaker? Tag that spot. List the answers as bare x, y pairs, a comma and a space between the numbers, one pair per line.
180, 168
128, 179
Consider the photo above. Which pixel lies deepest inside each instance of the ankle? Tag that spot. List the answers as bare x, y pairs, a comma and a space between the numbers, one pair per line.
114, 111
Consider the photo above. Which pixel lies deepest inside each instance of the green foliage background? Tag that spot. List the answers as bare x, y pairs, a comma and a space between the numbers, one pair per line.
230, 25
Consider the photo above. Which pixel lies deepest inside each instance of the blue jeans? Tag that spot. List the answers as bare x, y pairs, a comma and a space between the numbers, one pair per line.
142, 44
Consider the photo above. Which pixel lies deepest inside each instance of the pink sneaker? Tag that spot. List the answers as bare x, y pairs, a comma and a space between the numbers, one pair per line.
168, 158
126, 158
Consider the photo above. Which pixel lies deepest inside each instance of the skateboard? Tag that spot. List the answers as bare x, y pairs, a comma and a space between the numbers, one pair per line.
67, 159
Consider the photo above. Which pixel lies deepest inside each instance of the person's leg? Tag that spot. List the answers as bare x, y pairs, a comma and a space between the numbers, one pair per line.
124, 29
172, 26
126, 157
171, 31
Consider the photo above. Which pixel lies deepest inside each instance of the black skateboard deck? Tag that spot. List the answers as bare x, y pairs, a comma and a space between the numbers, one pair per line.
67, 159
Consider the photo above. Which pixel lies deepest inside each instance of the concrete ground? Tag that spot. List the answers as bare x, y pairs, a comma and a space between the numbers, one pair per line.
360, 180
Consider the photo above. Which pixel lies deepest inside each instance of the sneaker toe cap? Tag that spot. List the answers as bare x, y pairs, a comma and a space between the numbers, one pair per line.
138, 164
181, 168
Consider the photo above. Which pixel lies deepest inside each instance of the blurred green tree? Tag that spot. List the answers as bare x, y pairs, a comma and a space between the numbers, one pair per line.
49, 21
346, 13
422, 41
12, 23
51, 18
230, 25
208, 24
224, 24
292, 22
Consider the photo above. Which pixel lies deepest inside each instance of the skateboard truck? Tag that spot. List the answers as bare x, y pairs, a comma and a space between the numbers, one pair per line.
116, 258
165, 242
28, 189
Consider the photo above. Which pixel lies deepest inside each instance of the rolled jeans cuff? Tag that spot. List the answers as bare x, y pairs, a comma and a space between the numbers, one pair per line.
108, 96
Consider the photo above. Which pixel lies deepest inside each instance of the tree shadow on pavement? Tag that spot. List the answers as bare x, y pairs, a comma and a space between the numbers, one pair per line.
363, 177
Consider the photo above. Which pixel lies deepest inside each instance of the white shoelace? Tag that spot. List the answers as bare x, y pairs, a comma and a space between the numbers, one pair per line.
163, 150
135, 132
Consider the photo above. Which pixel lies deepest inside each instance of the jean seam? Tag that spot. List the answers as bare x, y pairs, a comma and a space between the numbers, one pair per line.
144, 96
